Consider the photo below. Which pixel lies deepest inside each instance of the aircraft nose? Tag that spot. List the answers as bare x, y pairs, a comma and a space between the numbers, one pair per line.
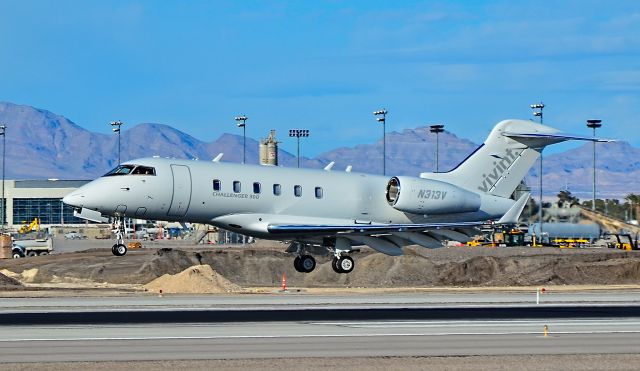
73, 199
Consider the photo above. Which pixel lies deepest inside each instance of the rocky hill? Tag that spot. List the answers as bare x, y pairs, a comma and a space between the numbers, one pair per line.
41, 145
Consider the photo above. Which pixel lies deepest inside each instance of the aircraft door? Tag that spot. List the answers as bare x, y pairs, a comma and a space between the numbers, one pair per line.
181, 190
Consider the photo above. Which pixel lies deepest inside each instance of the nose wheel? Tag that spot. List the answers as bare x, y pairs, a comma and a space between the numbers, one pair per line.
119, 249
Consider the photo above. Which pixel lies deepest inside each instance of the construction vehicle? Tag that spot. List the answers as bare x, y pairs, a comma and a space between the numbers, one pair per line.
623, 241
33, 226
499, 237
31, 240
569, 243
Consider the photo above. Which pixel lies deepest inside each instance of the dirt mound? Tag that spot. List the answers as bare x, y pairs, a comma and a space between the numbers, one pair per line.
198, 279
8, 281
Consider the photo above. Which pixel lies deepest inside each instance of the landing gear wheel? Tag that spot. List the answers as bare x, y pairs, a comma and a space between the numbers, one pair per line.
297, 264
119, 249
345, 264
307, 263
335, 266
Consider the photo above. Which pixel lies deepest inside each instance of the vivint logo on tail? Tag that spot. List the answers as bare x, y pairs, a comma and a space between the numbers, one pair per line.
499, 167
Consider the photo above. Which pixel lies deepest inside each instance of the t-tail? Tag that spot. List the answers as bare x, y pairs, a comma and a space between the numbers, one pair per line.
503, 160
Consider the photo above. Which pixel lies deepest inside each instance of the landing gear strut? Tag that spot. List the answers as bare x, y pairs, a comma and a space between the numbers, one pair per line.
342, 263
119, 248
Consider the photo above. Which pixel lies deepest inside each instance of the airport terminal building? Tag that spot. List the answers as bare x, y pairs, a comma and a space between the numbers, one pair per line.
28, 199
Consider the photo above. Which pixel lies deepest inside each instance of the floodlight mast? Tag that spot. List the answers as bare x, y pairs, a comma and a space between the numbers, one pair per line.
537, 112
594, 124
437, 129
383, 112
298, 133
3, 130
116, 129
242, 123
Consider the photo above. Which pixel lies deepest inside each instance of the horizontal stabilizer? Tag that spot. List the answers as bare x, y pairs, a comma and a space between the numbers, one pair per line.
555, 137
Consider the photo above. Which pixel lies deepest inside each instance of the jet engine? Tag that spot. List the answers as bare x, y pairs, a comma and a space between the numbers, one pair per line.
426, 196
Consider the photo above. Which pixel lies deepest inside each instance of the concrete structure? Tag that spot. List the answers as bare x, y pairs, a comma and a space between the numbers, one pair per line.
29, 199
269, 150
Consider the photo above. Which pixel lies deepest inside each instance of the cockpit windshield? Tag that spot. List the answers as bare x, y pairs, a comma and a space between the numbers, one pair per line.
132, 170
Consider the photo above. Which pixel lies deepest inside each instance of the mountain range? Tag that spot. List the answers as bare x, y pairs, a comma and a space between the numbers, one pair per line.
42, 145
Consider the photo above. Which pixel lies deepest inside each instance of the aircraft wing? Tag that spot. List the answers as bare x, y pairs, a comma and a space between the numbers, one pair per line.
322, 229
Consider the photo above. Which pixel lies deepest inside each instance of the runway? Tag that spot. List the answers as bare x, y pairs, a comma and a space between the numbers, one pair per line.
300, 325
316, 339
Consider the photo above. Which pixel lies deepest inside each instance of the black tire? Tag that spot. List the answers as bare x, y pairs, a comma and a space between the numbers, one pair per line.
44, 253
297, 265
307, 263
346, 264
17, 255
335, 266
119, 249
32, 253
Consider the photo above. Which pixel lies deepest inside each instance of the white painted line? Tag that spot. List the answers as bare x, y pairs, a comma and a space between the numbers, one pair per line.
231, 337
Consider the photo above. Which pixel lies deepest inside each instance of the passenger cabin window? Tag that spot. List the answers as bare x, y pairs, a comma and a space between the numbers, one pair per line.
144, 170
256, 187
277, 189
217, 185
297, 190
236, 186
318, 192
121, 170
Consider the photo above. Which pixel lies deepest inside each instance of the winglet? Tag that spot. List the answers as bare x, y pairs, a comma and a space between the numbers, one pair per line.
218, 157
328, 167
512, 216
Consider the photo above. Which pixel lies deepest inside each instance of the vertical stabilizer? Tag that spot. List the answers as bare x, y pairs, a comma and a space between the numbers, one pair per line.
502, 161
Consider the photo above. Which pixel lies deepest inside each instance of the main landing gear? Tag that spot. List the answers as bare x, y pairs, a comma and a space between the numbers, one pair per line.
305, 263
119, 248
343, 264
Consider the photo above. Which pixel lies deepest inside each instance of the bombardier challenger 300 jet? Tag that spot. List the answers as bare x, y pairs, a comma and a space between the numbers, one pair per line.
330, 210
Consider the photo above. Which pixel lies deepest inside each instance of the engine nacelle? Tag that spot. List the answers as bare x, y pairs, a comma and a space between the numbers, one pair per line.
426, 196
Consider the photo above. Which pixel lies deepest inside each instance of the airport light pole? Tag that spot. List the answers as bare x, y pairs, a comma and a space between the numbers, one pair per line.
116, 129
437, 129
594, 124
3, 129
537, 112
243, 125
298, 133
383, 112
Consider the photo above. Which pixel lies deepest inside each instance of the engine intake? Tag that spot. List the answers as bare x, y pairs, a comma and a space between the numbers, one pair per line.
426, 196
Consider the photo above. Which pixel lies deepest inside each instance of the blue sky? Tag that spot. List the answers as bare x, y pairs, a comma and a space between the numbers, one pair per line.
325, 65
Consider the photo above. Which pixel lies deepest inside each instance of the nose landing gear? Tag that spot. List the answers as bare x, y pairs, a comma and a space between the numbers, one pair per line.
119, 248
